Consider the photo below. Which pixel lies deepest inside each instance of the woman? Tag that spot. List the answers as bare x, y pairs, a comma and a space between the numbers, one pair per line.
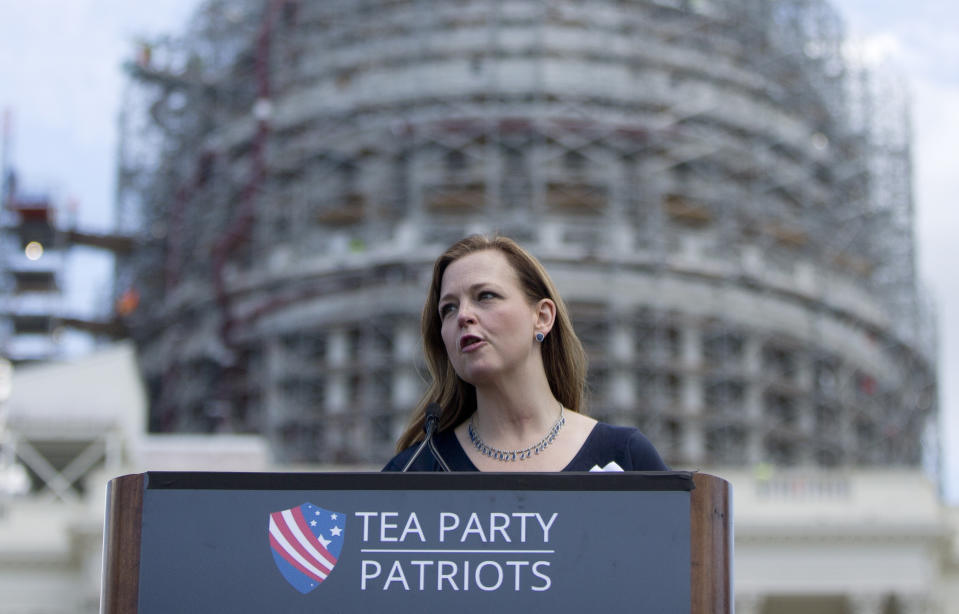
509, 373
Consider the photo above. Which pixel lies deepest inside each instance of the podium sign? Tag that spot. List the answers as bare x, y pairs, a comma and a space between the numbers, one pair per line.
408, 542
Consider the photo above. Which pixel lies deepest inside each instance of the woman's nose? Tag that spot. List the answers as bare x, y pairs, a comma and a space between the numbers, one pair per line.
465, 315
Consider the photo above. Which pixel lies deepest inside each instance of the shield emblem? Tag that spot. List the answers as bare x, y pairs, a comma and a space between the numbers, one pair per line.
306, 542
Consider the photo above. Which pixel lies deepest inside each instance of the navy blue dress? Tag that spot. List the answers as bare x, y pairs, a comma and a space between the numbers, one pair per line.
627, 446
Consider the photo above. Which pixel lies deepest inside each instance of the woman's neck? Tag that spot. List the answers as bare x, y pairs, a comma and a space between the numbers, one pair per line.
511, 416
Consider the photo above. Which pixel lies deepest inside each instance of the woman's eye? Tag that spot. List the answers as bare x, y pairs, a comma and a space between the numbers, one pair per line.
485, 294
446, 309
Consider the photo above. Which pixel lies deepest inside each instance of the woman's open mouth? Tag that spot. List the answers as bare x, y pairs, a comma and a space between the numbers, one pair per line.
469, 343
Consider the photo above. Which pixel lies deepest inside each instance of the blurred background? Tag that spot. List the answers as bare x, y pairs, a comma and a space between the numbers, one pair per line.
218, 221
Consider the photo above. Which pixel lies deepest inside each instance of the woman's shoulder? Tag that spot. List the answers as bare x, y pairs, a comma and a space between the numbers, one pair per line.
626, 446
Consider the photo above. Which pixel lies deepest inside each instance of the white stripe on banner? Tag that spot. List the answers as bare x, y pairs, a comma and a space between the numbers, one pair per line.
289, 549
304, 541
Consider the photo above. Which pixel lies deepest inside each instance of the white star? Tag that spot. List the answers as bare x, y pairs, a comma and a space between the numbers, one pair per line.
324, 541
317, 512
312, 523
333, 516
335, 531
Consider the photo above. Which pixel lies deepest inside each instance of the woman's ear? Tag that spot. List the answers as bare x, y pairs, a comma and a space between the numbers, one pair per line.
545, 315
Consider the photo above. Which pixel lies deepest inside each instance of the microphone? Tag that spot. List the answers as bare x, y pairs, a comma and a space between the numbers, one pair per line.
432, 413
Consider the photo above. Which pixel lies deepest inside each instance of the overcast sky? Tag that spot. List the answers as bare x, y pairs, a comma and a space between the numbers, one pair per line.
920, 40
60, 75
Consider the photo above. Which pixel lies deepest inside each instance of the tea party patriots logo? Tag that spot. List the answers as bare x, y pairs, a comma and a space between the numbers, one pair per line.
306, 542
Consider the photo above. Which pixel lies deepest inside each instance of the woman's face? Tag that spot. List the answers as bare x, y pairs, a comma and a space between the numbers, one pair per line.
487, 322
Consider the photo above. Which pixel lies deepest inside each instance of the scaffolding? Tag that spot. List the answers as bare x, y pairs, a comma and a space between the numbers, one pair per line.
35, 242
31, 264
725, 205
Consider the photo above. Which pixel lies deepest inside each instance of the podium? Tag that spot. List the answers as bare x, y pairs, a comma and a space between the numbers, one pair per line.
392, 542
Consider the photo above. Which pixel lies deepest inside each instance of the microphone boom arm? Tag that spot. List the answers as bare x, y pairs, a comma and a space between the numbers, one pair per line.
432, 412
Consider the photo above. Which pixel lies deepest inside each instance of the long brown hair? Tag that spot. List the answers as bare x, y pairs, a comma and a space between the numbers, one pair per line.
563, 356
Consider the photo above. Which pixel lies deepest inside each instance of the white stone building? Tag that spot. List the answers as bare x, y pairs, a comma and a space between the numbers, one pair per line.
64, 431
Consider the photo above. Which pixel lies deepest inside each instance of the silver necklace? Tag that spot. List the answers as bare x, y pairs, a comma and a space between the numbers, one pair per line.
508, 456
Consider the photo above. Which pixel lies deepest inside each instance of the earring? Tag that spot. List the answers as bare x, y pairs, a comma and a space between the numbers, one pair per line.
540, 337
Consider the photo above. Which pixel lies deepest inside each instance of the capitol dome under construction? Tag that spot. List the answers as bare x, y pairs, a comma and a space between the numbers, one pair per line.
724, 201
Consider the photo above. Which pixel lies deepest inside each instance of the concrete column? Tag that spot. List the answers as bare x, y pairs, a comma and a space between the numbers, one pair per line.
273, 362
337, 348
652, 224
337, 355
753, 398
804, 408
621, 234
622, 391
621, 343
622, 353
691, 346
406, 342
406, 387
691, 393
847, 432
414, 181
